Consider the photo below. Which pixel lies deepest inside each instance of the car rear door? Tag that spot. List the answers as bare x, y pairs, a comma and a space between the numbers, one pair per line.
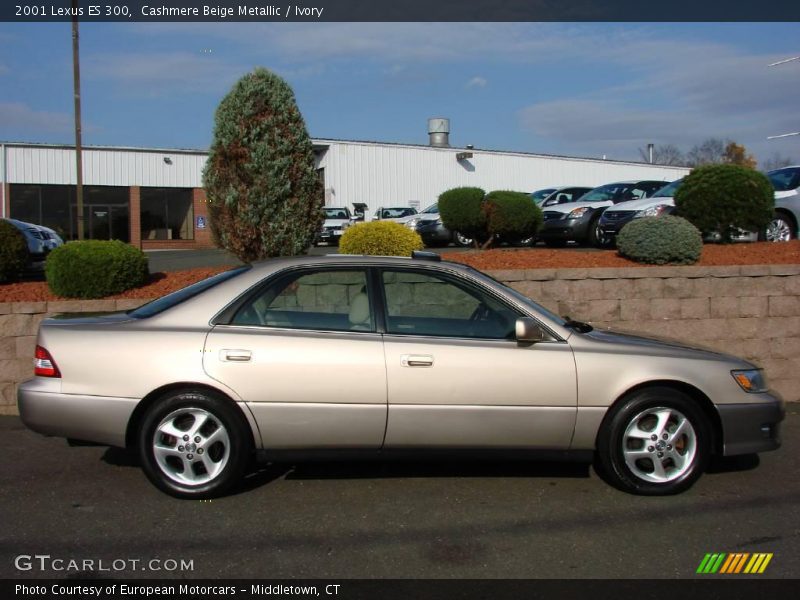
456, 376
304, 353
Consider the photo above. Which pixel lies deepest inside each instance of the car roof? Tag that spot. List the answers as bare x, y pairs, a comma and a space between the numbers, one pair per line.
273, 264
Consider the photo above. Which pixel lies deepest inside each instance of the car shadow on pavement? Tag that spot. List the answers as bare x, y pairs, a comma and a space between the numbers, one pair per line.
732, 464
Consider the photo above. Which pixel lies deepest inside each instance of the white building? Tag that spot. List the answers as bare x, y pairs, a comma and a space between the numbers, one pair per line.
153, 198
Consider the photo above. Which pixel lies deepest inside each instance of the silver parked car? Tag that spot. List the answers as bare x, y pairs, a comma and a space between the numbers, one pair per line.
784, 224
384, 354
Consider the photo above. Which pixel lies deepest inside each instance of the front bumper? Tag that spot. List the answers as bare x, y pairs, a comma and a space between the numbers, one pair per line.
565, 229
434, 233
610, 228
330, 237
750, 428
99, 419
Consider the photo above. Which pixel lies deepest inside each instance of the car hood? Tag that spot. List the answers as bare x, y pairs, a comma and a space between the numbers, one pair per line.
643, 203
335, 222
570, 206
661, 346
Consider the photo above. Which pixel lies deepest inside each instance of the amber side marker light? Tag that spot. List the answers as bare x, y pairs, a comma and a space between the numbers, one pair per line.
44, 365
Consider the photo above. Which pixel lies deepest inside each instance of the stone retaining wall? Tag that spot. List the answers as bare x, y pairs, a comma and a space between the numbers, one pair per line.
751, 311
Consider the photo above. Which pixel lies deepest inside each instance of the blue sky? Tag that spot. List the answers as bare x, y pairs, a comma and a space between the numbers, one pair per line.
585, 89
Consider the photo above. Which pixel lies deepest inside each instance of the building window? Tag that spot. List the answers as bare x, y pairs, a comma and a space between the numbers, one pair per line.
105, 210
167, 214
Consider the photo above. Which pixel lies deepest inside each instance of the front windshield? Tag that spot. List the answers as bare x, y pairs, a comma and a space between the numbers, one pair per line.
614, 192
668, 191
540, 195
784, 180
432, 209
337, 213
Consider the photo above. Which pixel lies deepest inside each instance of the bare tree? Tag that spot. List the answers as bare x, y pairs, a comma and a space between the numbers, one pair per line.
711, 151
664, 154
776, 161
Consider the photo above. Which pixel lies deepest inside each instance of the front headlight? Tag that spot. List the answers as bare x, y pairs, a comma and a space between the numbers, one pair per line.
751, 380
653, 211
412, 223
578, 212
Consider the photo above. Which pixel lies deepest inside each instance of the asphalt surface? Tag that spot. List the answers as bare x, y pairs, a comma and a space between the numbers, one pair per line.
393, 520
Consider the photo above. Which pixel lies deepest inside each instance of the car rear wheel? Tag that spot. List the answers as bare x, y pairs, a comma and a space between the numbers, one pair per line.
194, 445
656, 442
593, 234
462, 240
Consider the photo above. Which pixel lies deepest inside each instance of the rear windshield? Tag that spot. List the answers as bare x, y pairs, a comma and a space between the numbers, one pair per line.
175, 298
784, 180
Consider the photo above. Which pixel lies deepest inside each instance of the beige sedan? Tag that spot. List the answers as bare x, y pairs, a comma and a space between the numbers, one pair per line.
348, 354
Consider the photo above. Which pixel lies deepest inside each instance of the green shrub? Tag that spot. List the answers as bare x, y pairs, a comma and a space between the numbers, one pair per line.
13, 252
95, 268
660, 240
724, 198
461, 210
380, 238
511, 215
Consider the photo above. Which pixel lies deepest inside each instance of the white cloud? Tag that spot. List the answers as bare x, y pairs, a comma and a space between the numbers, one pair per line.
477, 82
16, 116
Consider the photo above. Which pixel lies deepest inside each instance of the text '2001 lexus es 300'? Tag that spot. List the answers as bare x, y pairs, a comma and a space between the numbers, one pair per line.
354, 353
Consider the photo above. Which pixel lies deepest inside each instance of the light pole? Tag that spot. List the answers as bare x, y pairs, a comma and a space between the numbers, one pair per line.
76, 85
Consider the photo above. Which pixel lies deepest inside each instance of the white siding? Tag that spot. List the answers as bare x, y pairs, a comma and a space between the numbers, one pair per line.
386, 175
374, 173
101, 166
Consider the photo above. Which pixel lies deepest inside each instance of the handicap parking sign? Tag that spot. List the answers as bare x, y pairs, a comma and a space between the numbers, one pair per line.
201, 222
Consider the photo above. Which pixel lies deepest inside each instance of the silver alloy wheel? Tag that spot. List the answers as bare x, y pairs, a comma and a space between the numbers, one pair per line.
659, 445
191, 446
778, 230
463, 240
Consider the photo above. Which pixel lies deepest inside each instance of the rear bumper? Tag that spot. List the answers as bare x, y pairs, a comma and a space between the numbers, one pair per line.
749, 428
99, 419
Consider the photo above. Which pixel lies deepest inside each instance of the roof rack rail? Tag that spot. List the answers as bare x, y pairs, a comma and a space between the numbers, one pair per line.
423, 255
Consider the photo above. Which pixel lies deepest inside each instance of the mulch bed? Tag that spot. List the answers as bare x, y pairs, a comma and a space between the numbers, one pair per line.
760, 253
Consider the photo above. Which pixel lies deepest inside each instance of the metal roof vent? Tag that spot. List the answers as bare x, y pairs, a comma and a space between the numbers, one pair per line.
439, 132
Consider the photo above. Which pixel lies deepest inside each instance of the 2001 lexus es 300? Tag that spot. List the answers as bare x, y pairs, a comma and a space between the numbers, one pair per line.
383, 354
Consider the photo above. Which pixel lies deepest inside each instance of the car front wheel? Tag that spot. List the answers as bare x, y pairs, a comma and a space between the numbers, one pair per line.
656, 442
780, 229
194, 445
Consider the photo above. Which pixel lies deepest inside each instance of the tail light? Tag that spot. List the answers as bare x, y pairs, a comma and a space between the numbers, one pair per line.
44, 365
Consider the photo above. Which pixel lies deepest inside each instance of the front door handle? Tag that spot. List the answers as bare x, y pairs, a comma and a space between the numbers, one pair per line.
235, 355
416, 360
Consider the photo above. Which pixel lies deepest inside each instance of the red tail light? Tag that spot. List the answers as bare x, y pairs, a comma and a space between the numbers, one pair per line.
44, 365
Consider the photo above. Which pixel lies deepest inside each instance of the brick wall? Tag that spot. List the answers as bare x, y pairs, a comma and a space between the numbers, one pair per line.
751, 311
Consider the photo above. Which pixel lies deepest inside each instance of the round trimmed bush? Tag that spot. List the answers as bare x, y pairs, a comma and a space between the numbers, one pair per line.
660, 240
95, 268
380, 238
723, 198
512, 215
461, 210
13, 252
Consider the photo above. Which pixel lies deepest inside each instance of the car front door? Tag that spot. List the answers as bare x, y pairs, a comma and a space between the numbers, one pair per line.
458, 378
303, 352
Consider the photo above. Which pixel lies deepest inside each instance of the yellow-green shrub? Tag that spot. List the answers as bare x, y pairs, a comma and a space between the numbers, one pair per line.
380, 238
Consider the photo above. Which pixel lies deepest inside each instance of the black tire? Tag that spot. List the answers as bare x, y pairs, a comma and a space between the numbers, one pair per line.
780, 229
207, 418
628, 458
461, 240
592, 235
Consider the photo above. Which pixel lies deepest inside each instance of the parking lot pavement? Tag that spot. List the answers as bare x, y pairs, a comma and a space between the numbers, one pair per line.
405, 520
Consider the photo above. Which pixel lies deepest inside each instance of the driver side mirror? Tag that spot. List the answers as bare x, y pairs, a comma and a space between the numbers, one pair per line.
529, 331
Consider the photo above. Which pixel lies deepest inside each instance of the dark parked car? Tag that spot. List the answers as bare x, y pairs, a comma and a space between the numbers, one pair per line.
614, 219
577, 221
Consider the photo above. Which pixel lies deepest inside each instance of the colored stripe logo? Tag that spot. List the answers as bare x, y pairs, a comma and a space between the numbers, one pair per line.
735, 563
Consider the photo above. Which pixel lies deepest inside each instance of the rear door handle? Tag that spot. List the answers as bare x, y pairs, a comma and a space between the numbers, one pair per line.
235, 355
416, 360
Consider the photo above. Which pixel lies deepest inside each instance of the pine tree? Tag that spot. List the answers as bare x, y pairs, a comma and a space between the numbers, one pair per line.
264, 196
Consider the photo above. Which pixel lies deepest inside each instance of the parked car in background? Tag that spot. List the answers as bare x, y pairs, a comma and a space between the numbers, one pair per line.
577, 220
40, 240
337, 220
394, 213
613, 219
436, 356
785, 222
